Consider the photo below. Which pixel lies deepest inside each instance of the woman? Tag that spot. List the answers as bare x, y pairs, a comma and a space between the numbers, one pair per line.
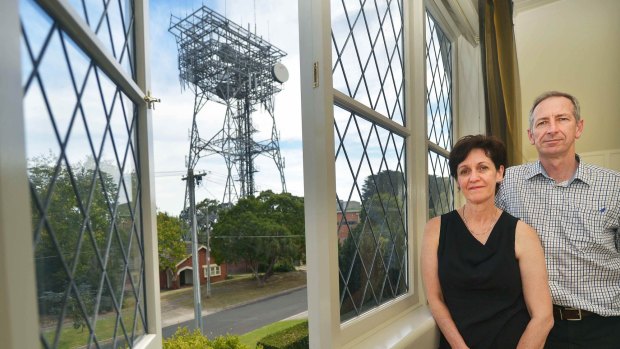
483, 269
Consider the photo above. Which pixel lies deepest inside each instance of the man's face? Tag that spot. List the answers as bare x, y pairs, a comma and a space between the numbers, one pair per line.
554, 129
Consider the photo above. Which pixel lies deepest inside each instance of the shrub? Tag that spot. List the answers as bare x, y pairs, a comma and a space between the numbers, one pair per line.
183, 339
295, 337
283, 267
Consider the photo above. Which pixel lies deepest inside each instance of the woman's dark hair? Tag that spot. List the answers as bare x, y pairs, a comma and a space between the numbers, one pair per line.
491, 145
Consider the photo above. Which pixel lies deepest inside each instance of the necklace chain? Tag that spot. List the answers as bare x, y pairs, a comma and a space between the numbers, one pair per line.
489, 226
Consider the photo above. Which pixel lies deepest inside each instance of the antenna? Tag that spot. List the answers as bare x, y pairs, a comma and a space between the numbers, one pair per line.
220, 61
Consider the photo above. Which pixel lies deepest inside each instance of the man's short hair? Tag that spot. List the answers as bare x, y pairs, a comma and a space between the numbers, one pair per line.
549, 94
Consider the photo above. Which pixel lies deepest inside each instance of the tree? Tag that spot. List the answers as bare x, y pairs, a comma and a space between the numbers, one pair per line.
260, 231
372, 259
206, 215
440, 198
82, 233
171, 247
388, 181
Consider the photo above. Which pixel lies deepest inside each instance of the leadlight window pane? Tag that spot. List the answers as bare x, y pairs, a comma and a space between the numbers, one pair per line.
372, 192
113, 22
439, 117
81, 147
367, 54
440, 185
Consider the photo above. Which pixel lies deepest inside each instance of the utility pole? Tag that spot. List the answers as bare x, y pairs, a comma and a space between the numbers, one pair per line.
208, 250
191, 185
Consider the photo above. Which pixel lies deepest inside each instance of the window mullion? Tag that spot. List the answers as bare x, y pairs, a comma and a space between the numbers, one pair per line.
84, 37
18, 301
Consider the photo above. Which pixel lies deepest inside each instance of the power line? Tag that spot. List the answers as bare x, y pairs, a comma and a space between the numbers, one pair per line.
255, 236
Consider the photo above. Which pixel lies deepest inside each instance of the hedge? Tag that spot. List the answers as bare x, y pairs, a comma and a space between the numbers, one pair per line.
183, 339
295, 337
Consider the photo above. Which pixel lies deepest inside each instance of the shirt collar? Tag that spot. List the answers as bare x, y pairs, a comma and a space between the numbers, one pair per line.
581, 174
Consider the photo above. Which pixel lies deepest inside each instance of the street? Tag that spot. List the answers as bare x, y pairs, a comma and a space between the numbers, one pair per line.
246, 318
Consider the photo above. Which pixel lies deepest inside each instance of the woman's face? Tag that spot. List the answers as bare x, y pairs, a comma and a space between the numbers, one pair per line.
477, 176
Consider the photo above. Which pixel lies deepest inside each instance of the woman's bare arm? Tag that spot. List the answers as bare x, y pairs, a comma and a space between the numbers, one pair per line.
531, 258
434, 294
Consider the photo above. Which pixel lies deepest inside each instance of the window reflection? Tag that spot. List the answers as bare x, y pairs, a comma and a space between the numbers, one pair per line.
439, 117
81, 146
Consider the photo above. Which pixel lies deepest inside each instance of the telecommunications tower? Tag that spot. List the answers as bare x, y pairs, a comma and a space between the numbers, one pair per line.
223, 62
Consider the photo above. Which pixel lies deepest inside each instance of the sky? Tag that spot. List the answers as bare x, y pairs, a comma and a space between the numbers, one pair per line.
276, 22
273, 20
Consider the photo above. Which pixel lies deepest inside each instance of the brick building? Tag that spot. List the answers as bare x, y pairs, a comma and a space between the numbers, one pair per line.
347, 221
183, 276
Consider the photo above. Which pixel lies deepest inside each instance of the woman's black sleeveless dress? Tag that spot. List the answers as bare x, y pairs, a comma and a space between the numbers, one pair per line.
481, 284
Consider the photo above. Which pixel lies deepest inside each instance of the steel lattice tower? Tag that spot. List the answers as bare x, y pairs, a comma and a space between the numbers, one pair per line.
223, 62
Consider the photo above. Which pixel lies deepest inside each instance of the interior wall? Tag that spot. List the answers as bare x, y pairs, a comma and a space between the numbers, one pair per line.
573, 46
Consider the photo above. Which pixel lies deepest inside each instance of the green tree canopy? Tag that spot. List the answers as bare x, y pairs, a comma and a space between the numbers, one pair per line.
207, 212
388, 181
373, 257
83, 229
171, 247
259, 231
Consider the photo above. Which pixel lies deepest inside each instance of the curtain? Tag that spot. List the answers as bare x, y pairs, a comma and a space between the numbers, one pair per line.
501, 76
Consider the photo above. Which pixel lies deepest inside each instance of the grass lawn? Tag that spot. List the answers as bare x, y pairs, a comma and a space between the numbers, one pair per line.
237, 290
251, 338
77, 338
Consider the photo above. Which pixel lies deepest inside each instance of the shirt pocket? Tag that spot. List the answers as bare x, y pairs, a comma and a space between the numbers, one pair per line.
593, 231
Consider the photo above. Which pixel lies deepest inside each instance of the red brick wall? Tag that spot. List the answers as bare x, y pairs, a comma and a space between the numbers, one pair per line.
202, 260
343, 228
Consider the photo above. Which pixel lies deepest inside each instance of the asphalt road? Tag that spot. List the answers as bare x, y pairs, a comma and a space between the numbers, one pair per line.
246, 318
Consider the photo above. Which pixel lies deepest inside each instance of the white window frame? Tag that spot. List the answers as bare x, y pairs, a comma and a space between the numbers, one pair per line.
19, 322
406, 321
216, 270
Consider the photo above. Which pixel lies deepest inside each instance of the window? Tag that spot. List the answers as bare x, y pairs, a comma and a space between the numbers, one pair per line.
439, 117
378, 91
214, 269
86, 131
368, 76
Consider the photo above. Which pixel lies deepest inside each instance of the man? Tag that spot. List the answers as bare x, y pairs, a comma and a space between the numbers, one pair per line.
575, 208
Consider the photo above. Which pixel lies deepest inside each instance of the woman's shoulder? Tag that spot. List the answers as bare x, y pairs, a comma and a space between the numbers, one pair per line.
526, 238
433, 224
525, 229
514, 221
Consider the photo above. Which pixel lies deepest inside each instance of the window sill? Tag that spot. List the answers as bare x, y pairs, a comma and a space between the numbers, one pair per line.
413, 329
149, 341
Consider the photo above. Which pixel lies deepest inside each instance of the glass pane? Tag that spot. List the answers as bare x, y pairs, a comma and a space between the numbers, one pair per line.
439, 116
81, 137
440, 185
438, 85
113, 22
367, 54
372, 214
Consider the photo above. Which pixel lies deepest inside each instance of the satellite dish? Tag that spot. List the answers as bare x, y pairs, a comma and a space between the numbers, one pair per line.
279, 73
